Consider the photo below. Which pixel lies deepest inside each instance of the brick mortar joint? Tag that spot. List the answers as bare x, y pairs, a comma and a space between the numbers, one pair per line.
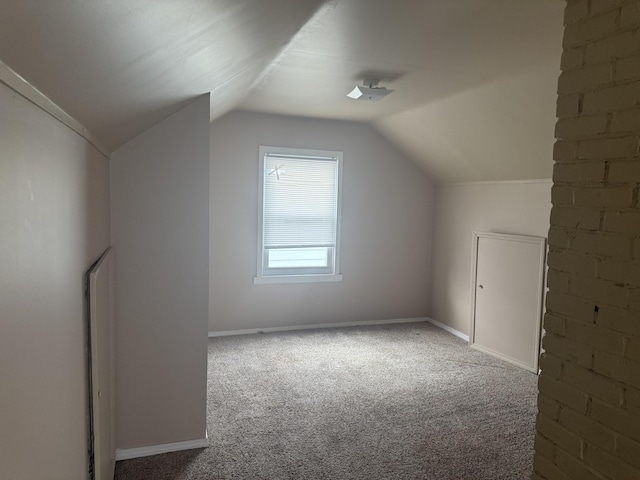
621, 4
605, 135
587, 415
594, 15
594, 326
622, 387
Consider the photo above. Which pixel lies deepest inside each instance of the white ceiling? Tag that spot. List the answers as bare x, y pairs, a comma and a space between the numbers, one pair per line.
475, 80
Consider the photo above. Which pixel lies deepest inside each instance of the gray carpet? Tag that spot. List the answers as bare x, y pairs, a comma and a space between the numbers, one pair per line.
406, 401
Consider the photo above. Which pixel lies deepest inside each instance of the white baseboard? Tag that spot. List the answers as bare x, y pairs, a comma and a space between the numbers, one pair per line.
505, 358
318, 325
453, 331
129, 453
250, 331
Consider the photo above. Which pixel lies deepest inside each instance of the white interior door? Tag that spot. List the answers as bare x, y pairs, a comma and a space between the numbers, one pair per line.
507, 288
102, 366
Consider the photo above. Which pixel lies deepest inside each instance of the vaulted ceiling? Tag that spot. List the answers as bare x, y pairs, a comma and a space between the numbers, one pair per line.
474, 80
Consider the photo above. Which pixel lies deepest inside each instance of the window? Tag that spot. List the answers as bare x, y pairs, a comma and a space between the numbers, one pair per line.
299, 216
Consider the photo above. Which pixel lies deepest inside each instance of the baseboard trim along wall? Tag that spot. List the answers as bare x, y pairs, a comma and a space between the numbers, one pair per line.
447, 328
317, 325
129, 453
338, 325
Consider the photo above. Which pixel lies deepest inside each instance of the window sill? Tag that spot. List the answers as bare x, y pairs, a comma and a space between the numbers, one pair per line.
296, 279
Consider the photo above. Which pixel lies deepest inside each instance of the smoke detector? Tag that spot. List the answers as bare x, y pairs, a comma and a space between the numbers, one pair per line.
369, 91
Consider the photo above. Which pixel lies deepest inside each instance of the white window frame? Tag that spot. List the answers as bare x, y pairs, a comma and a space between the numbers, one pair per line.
260, 278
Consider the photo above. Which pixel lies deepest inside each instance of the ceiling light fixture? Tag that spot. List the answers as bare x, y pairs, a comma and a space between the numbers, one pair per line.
369, 91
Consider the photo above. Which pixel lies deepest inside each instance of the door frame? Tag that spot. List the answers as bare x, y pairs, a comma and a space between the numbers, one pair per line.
101, 368
542, 242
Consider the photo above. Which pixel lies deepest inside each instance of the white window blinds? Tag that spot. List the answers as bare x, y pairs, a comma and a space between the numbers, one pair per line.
300, 201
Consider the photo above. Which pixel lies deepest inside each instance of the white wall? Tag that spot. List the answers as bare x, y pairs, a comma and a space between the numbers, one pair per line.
386, 228
521, 208
54, 223
516, 110
160, 231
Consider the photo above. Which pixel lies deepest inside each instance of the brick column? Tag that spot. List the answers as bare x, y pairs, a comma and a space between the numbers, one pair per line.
589, 403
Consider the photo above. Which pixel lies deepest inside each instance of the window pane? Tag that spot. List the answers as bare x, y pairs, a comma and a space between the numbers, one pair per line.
298, 257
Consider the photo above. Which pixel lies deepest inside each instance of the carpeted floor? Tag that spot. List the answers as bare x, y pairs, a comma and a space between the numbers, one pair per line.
406, 401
